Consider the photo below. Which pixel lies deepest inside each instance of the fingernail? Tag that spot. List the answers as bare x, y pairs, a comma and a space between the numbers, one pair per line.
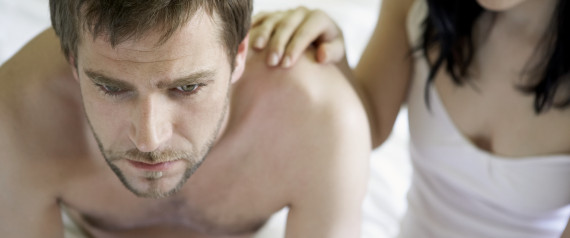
286, 62
259, 43
322, 56
274, 59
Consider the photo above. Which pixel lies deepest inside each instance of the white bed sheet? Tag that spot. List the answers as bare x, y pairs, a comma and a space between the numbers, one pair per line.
390, 167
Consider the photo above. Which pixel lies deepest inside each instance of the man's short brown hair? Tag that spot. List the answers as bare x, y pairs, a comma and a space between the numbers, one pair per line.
121, 20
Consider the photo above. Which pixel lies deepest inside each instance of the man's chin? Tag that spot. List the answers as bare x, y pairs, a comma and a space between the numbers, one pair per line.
154, 188
152, 184
154, 192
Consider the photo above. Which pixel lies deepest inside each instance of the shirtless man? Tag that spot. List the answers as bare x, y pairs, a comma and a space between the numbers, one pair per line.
150, 98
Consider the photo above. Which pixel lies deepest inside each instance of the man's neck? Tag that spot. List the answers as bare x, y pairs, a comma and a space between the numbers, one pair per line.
224, 123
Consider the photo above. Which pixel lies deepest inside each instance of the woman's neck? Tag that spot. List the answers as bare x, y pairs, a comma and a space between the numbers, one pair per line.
530, 19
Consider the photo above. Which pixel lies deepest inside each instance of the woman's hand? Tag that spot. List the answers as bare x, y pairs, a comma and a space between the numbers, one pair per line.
287, 34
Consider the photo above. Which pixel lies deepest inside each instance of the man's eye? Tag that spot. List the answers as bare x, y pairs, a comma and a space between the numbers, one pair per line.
111, 89
188, 88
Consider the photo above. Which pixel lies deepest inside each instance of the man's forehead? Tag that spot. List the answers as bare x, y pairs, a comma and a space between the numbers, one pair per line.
201, 33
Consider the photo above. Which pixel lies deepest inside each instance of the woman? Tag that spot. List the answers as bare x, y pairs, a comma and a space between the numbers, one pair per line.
487, 87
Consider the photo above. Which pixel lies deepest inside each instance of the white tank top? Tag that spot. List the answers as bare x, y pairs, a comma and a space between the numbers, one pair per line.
459, 190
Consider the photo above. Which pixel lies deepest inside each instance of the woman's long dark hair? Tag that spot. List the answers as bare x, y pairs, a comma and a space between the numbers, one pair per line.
449, 26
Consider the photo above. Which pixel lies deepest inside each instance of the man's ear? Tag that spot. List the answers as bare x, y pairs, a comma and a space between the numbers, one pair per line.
240, 59
73, 64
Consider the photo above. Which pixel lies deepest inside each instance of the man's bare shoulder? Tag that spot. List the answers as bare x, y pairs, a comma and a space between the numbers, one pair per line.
306, 117
41, 115
310, 132
27, 176
309, 93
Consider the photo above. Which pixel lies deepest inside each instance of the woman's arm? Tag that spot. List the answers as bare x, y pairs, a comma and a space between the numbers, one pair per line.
383, 71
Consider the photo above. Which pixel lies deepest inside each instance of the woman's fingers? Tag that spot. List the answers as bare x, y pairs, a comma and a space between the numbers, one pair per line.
331, 52
320, 30
283, 33
261, 33
288, 34
257, 18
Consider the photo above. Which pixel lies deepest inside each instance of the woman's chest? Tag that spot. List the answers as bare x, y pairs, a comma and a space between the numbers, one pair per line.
494, 114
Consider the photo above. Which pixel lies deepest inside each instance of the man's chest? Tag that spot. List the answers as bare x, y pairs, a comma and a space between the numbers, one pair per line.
222, 197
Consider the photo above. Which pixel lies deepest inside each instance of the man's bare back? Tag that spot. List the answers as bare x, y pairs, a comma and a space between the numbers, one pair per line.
296, 139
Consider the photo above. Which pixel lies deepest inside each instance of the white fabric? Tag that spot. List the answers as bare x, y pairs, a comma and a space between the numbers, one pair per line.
459, 190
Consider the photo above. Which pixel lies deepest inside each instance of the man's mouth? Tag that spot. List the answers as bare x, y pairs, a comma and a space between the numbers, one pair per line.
161, 166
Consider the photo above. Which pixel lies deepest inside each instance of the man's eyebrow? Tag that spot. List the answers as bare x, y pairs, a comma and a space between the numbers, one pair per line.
204, 76
200, 77
100, 78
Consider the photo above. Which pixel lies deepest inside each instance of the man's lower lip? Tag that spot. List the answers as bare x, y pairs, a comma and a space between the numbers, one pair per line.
152, 167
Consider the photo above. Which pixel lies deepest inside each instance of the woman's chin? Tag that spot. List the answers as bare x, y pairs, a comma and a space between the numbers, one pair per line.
499, 5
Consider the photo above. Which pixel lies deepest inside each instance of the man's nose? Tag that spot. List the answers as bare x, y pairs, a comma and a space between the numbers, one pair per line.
151, 126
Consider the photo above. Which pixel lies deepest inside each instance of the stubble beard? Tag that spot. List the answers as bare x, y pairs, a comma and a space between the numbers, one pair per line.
191, 158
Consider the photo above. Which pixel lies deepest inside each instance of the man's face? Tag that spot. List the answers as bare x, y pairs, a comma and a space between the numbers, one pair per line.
156, 110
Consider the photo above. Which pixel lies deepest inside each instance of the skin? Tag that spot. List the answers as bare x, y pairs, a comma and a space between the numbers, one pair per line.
494, 115
500, 5
296, 139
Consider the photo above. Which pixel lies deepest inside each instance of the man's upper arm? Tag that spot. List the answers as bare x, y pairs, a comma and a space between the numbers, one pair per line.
28, 207
330, 156
28, 204
27, 217
329, 203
